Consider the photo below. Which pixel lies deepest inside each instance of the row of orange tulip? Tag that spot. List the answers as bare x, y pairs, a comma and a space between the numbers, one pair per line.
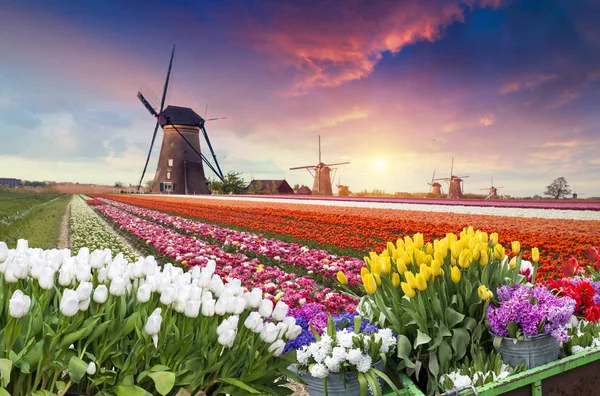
366, 230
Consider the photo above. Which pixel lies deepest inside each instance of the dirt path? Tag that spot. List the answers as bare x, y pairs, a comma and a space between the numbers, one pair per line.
63, 239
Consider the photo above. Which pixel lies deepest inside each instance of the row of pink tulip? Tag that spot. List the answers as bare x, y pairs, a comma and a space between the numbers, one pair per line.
189, 251
317, 261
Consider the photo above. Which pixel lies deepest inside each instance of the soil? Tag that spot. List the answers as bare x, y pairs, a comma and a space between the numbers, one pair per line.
64, 241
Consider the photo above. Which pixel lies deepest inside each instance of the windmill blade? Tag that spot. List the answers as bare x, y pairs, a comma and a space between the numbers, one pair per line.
433, 177
162, 105
211, 149
337, 163
461, 177
216, 118
147, 104
303, 167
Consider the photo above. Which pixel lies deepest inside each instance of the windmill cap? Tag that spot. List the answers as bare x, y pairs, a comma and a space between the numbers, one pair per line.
180, 116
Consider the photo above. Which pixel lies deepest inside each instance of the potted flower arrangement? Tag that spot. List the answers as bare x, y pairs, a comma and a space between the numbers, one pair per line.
529, 323
344, 360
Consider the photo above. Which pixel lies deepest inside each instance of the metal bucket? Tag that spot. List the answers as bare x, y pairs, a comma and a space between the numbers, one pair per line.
533, 352
335, 383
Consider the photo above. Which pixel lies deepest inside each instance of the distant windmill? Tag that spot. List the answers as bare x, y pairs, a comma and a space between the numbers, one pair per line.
322, 175
575, 193
455, 183
436, 188
493, 191
179, 168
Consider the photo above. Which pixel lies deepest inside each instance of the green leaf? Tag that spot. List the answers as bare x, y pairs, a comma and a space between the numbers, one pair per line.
404, 350
444, 352
60, 385
77, 335
422, 338
470, 324
513, 328
163, 381
497, 342
130, 390
239, 384
77, 368
434, 367
159, 367
3, 392
5, 369
453, 318
460, 340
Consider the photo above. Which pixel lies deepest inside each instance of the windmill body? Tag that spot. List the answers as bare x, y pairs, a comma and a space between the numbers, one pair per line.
179, 170
455, 184
322, 175
493, 191
180, 164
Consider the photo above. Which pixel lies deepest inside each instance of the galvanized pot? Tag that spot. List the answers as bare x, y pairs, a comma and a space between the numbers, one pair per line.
335, 383
533, 352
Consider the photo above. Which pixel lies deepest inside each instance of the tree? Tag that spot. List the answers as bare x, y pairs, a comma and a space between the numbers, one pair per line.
255, 188
271, 189
148, 184
296, 187
232, 184
118, 184
558, 189
343, 191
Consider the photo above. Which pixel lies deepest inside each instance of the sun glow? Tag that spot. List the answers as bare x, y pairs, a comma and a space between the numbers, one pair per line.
380, 164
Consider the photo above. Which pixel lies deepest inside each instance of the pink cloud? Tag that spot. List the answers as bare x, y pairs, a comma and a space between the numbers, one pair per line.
526, 83
329, 46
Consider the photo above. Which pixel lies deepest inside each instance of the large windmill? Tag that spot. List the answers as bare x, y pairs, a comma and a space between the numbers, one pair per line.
179, 168
455, 183
493, 191
322, 175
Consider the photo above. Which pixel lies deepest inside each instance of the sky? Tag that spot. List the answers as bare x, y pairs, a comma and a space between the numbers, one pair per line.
508, 88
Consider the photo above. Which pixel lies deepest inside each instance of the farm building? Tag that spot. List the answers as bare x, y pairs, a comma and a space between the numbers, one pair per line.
9, 182
304, 190
269, 187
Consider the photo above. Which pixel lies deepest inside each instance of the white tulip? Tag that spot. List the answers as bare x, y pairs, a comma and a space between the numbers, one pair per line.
10, 273
37, 265
227, 338
83, 272
269, 333
221, 305
240, 305
281, 309
153, 325
84, 290
192, 309
277, 347
217, 286
233, 321
205, 278
84, 305
19, 304
101, 294
206, 295
69, 303
208, 307
91, 368
254, 322
144, 293
266, 308
3, 252
195, 293
22, 245
183, 292
254, 297
65, 277
211, 266
168, 295
149, 266
102, 275
83, 255
46, 279
196, 272
293, 332
118, 286
97, 259
179, 306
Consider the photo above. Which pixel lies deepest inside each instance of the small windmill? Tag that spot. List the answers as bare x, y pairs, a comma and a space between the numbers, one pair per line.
322, 174
576, 194
493, 191
179, 169
455, 183
436, 188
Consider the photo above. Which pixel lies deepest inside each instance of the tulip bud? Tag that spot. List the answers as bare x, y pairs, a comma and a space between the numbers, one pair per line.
420, 281
484, 259
269, 333
22, 245
3, 252
277, 347
535, 254
396, 279
84, 305
91, 368
118, 286
499, 252
84, 290
227, 338
408, 291
254, 322
370, 283
254, 298
266, 308
208, 307
69, 303
192, 309
144, 293
46, 279
455, 274
342, 278
516, 247
280, 311
410, 279
19, 304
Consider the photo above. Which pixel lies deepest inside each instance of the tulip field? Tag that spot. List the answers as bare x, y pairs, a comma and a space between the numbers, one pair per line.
351, 232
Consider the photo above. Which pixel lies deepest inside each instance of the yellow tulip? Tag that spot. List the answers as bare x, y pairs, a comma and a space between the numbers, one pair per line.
400, 244
535, 254
421, 282
410, 279
455, 251
373, 256
455, 274
439, 256
385, 253
406, 258
453, 261
419, 256
513, 262
484, 259
390, 247
367, 261
472, 243
428, 259
396, 279
377, 279
425, 271
465, 258
470, 231
494, 238
451, 238
342, 278
408, 241
476, 253
418, 240
516, 247
364, 271
499, 252
484, 293
397, 254
370, 283
408, 291
483, 237
429, 248
376, 266
401, 266
386, 265
436, 268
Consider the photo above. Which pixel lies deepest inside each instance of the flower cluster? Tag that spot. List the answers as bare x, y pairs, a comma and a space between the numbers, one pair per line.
530, 311
584, 292
583, 335
344, 350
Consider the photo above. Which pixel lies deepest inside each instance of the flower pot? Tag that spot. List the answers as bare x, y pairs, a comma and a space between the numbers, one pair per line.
335, 383
533, 352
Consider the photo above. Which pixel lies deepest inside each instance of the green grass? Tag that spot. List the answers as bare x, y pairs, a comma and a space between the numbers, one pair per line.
35, 217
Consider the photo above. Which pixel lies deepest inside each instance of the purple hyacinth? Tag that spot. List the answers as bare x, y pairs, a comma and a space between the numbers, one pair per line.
535, 310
